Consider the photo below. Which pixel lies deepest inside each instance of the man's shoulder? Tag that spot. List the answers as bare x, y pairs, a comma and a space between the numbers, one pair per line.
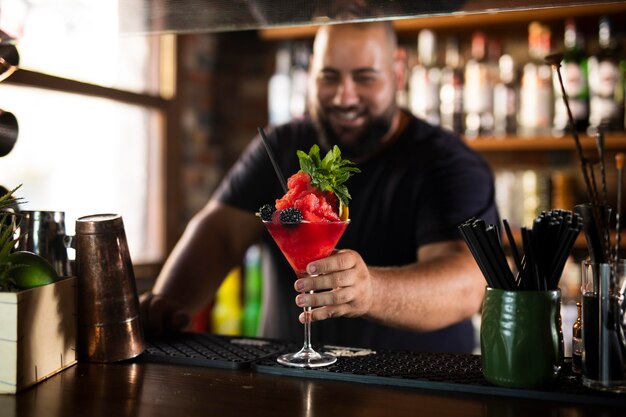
439, 147
421, 129
425, 135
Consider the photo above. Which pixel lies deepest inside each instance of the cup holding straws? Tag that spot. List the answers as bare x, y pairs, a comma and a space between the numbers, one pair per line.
521, 337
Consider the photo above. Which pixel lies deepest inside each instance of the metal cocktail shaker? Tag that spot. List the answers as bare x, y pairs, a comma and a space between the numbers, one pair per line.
43, 233
109, 327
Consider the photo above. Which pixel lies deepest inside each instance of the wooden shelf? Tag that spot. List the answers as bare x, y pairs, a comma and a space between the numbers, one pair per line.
474, 18
545, 143
467, 17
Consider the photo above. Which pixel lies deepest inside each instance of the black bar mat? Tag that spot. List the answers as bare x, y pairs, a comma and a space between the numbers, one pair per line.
210, 350
436, 371
433, 371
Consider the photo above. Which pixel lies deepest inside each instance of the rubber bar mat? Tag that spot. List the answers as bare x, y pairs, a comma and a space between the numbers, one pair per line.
436, 371
210, 350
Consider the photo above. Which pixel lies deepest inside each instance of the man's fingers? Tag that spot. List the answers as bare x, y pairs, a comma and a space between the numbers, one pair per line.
328, 298
324, 313
160, 315
324, 282
179, 320
340, 261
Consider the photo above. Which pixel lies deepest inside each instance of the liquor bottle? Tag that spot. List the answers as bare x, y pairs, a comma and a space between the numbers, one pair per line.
425, 79
505, 98
563, 189
606, 83
253, 283
536, 104
402, 93
227, 310
279, 88
574, 73
530, 190
299, 80
478, 90
577, 342
451, 90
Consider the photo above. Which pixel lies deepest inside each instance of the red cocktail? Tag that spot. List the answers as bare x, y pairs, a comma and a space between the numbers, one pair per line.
306, 224
306, 242
302, 243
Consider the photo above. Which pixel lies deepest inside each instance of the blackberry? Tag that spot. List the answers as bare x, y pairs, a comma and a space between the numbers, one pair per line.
290, 215
266, 212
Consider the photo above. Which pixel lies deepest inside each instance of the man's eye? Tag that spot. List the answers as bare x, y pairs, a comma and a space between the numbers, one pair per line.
364, 79
329, 78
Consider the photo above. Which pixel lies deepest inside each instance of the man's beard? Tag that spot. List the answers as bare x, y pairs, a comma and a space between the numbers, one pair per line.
363, 145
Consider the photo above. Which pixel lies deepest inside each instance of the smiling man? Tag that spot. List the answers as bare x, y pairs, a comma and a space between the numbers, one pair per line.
352, 87
403, 277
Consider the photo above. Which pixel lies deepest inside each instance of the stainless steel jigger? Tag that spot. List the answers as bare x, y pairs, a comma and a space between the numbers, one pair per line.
109, 328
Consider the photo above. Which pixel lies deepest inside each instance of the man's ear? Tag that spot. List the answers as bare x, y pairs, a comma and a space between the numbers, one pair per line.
400, 67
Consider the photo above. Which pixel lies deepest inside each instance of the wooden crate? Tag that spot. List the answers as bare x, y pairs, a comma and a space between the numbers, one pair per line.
37, 334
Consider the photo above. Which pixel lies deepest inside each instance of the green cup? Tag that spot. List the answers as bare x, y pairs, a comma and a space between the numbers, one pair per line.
521, 338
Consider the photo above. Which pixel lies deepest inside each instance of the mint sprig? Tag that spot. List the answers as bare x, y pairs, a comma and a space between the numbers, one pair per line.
8, 225
330, 173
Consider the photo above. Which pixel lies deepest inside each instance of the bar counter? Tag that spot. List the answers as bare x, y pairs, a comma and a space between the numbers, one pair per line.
137, 388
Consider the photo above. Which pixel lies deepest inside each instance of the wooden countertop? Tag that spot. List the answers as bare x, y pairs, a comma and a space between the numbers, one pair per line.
150, 389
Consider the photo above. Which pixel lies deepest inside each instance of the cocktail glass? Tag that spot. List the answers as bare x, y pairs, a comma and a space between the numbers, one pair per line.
302, 243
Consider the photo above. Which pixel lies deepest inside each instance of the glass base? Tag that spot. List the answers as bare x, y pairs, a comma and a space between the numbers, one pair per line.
306, 358
618, 386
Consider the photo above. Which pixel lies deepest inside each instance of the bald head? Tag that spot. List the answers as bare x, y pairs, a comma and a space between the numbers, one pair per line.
382, 29
353, 80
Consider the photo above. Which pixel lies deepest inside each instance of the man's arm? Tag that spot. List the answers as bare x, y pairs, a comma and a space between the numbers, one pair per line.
214, 242
444, 287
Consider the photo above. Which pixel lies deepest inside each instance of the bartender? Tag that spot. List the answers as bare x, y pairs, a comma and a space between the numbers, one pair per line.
403, 277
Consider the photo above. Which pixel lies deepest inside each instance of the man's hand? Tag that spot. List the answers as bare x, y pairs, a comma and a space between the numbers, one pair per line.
160, 316
346, 284
444, 287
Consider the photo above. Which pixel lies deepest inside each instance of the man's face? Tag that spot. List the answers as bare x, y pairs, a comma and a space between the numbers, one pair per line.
352, 88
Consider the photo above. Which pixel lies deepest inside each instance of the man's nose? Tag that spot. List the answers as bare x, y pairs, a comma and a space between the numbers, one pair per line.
346, 94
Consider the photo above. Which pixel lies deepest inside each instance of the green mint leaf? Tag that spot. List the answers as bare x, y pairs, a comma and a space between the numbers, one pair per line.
330, 173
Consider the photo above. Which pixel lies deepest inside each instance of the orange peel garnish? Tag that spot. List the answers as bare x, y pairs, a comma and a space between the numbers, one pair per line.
344, 212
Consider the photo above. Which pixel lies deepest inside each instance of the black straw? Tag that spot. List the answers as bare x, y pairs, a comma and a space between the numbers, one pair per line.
279, 173
547, 245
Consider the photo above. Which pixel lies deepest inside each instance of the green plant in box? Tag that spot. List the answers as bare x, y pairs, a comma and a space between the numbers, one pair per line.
19, 270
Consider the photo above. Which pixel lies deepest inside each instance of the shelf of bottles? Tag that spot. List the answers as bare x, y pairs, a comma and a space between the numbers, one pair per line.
509, 107
486, 92
494, 83
501, 96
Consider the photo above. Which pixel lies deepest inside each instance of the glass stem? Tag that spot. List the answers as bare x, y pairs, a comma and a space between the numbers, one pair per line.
307, 327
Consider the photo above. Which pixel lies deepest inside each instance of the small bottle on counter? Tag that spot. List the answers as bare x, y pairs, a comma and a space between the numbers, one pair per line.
577, 342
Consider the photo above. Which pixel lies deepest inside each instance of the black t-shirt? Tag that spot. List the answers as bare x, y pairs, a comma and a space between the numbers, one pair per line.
418, 191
